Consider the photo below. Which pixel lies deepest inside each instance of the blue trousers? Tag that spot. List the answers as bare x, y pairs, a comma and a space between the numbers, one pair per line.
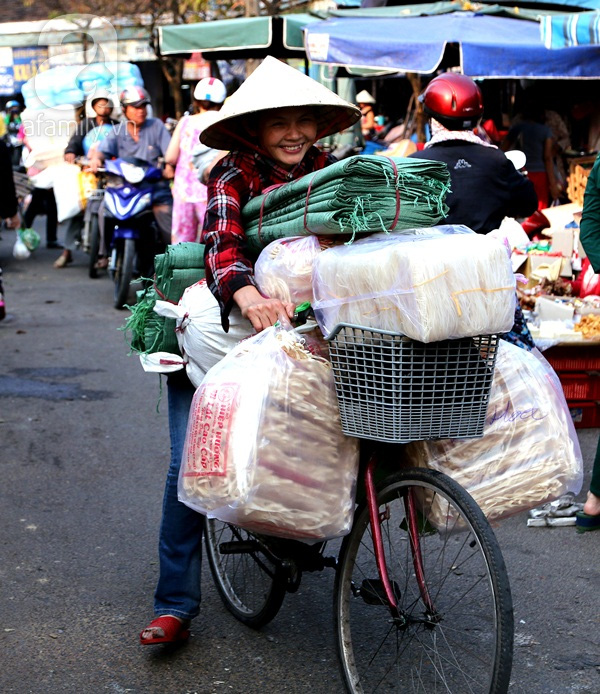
180, 540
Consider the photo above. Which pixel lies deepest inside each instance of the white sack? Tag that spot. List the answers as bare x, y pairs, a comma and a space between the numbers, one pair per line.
529, 453
264, 446
200, 335
431, 284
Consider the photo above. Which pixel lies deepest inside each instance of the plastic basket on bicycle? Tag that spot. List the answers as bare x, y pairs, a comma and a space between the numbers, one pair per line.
391, 388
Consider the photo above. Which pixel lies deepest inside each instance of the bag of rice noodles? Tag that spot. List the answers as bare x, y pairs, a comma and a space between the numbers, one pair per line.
430, 284
264, 447
529, 453
284, 268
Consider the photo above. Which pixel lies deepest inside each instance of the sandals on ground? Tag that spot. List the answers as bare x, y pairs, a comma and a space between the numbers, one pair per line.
174, 630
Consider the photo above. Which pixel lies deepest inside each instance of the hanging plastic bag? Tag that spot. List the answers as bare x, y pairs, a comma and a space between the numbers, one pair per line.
264, 446
284, 268
529, 453
20, 250
30, 238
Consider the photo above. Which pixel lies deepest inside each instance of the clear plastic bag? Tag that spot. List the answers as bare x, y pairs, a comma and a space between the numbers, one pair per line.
264, 446
429, 284
284, 268
529, 453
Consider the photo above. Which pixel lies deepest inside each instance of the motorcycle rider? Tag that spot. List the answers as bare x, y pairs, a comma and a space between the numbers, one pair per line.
143, 138
102, 105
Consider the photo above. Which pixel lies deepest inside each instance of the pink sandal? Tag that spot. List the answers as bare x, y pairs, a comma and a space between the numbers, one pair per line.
174, 630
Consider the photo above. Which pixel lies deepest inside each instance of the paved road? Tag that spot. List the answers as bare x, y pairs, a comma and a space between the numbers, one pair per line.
83, 453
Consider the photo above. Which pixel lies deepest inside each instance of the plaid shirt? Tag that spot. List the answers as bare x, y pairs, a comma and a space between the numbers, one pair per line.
236, 179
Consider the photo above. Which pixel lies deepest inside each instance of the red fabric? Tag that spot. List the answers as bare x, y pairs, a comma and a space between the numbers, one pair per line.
542, 187
236, 179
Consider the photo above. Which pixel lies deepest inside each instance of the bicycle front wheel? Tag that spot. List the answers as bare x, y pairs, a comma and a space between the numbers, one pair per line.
250, 584
453, 630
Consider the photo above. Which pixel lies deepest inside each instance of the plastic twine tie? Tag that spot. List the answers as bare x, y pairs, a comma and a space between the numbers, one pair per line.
266, 193
393, 163
306, 205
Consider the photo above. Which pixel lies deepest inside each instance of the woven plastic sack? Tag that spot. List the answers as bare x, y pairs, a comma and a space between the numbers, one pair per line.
430, 284
180, 266
529, 453
264, 446
284, 269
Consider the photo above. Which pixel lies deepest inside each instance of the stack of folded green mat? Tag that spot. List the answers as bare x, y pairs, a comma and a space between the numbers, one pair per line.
361, 194
179, 267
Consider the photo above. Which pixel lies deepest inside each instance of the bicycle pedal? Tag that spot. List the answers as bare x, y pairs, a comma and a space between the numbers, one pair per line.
373, 592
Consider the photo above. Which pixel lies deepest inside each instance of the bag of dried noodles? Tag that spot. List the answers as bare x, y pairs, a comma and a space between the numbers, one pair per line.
264, 446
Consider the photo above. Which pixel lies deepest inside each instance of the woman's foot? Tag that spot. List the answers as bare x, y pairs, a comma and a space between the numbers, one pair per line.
101, 263
592, 505
64, 259
165, 629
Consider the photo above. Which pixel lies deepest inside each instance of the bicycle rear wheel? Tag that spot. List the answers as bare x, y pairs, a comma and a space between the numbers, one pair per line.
250, 584
462, 641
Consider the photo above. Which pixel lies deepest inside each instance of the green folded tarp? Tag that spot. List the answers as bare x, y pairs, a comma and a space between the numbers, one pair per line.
361, 194
179, 267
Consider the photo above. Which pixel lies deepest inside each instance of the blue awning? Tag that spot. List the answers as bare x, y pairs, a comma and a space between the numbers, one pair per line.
576, 29
489, 46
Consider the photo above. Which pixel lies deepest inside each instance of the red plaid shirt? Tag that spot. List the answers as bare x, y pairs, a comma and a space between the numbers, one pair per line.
236, 179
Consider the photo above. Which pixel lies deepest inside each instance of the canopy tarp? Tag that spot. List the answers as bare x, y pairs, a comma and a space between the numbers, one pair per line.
576, 29
489, 46
245, 37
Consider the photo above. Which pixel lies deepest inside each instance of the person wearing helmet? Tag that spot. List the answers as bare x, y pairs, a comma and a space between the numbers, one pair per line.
485, 185
143, 138
102, 105
367, 121
189, 194
269, 127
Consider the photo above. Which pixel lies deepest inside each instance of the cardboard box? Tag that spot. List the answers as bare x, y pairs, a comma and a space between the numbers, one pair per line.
548, 308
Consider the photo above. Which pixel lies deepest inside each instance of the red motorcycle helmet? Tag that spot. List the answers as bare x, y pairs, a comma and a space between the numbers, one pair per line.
454, 100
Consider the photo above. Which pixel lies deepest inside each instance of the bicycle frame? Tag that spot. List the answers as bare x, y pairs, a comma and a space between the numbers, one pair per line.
413, 535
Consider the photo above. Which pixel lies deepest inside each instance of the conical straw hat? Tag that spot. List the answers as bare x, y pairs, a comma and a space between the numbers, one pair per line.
276, 85
364, 98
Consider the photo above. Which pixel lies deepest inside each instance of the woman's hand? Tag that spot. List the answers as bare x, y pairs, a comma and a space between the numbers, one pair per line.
260, 311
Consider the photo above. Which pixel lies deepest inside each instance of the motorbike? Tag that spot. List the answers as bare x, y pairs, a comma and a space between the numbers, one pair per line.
129, 222
90, 234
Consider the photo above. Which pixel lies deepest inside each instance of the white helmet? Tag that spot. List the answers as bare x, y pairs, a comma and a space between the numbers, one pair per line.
210, 89
101, 94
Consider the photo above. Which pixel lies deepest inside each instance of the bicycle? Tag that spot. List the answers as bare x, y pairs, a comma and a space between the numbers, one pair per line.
422, 601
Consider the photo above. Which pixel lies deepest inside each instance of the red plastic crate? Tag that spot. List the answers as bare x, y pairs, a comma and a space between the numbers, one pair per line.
575, 358
585, 414
580, 385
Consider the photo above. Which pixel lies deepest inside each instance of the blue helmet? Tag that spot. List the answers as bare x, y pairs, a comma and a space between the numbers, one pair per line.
12, 104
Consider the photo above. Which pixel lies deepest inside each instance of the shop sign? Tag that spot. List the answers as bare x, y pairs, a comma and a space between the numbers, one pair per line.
27, 62
7, 79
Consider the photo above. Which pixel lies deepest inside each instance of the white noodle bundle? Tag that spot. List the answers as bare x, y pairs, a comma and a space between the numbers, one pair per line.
432, 284
264, 447
529, 453
284, 268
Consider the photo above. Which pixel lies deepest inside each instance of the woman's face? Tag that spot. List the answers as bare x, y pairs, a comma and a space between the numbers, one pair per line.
286, 134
